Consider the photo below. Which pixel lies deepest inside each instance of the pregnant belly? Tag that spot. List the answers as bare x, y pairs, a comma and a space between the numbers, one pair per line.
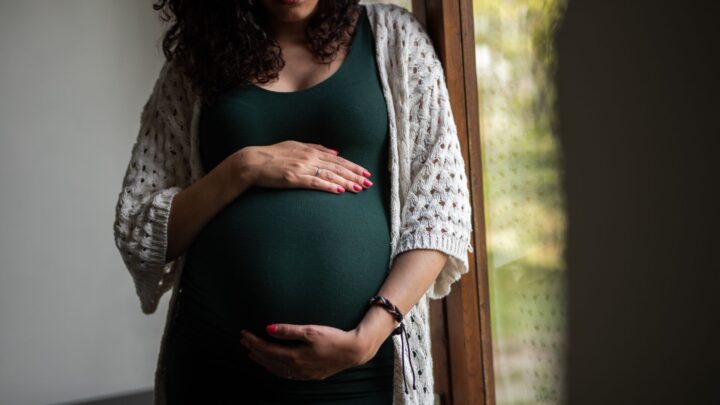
289, 256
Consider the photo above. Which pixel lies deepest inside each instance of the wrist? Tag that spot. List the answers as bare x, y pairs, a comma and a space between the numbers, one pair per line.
375, 328
240, 169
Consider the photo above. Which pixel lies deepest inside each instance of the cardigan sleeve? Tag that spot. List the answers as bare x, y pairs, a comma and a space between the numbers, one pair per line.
437, 213
158, 169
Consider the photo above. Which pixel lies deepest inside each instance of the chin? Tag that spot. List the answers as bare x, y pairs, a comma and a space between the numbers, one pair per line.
290, 10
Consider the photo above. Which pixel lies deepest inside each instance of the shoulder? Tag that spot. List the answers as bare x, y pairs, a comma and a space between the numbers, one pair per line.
408, 36
173, 82
394, 18
388, 10
169, 110
172, 100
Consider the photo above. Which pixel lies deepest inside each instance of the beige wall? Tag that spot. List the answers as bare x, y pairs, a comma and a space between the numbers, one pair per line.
74, 75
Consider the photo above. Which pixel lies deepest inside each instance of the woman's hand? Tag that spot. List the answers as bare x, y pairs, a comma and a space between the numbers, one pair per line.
292, 164
323, 350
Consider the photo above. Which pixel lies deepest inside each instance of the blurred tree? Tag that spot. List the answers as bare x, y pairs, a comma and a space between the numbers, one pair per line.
523, 201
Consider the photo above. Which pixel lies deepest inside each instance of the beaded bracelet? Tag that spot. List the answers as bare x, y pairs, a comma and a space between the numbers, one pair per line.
400, 330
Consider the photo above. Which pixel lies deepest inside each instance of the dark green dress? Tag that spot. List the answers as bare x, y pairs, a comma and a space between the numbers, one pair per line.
298, 256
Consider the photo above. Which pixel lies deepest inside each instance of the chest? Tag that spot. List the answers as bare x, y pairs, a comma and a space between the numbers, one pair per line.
347, 113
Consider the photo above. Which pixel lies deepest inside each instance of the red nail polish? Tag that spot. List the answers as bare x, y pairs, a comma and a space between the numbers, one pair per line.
356, 187
366, 173
334, 151
367, 183
271, 328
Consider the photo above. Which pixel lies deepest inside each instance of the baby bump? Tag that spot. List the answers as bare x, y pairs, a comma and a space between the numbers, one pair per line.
289, 255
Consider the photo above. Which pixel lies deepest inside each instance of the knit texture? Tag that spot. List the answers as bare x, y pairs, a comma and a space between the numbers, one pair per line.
430, 199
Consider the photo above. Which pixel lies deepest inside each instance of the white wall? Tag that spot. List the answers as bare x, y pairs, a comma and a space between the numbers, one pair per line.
74, 75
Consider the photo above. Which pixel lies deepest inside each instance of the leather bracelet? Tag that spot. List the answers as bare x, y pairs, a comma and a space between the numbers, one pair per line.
400, 330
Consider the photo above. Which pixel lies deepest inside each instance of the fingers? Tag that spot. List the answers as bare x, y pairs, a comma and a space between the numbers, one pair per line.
350, 170
331, 176
337, 175
275, 358
294, 332
347, 168
250, 341
350, 180
318, 183
323, 351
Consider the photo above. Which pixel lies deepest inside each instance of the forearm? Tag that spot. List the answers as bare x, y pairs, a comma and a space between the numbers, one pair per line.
412, 274
195, 205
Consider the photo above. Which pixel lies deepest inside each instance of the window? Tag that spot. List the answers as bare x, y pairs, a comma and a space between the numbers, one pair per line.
523, 206
499, 337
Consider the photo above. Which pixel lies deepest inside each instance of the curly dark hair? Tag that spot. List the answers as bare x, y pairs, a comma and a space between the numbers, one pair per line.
220, 44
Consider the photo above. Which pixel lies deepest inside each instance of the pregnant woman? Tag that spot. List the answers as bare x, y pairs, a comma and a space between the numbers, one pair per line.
261, 190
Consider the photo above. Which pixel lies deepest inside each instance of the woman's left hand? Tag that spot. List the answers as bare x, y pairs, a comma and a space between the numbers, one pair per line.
323, 351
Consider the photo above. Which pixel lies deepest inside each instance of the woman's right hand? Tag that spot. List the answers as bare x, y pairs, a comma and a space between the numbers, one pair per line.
292, 164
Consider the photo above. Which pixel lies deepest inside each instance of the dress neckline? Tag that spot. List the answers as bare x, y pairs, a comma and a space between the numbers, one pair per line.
356, 33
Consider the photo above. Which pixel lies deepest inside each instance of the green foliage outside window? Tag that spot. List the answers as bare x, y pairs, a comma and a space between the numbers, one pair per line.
523, 201
524, 209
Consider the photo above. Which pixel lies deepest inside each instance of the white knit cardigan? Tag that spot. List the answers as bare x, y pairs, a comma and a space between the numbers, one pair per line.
430, 207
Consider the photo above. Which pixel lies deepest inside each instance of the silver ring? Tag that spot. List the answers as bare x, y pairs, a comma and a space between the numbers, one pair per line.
317, 173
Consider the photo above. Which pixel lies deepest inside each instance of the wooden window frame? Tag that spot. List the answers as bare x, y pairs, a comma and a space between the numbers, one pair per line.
460, 322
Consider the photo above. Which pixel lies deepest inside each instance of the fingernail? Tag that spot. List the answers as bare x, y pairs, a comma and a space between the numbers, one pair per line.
367, 183
340, 189
366, 173
334, 151
271, 328
356, 187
